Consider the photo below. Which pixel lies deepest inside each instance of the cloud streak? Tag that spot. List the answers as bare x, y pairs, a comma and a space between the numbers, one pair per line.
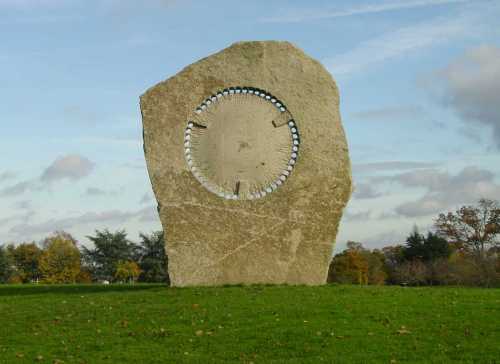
17, 217
397, 43
18, 188
146, 214
95, 191
380, 7
31, 4
396, 113
390, 166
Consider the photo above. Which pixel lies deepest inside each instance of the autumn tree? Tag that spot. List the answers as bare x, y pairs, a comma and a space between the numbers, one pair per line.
6, 265
153, 259
377, 274
59, 234
393, 258
127, 271
350, 266
109, 249
26, 257
84, 276
413, 273
60, 260
472, 228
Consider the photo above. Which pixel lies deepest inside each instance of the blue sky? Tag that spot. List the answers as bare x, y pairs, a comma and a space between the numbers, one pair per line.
419, 84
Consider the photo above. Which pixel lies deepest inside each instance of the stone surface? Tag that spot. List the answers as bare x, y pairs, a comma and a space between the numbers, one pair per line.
286, 236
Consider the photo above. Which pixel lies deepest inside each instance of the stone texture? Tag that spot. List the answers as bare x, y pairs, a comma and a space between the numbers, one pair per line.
284, 237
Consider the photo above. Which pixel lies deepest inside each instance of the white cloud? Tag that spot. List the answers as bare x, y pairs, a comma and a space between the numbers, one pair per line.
6, 175
357, 216
73, 167
302, 15
432, 179
472, 88
444, 191
365, 191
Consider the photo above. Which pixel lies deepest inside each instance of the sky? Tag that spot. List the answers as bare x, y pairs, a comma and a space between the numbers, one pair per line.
419, 87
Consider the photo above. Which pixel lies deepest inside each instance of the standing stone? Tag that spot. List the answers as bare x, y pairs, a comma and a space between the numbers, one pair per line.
250, 167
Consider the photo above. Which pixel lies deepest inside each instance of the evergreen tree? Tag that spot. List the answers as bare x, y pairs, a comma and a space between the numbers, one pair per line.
435, 247
109, 249
153, 258
414, 248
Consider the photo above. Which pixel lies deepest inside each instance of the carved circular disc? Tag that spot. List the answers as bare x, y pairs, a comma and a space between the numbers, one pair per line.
241, 143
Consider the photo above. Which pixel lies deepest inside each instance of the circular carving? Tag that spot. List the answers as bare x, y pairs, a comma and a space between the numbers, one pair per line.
241, 143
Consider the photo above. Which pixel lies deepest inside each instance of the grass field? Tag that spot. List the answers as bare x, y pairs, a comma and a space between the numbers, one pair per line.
255, 324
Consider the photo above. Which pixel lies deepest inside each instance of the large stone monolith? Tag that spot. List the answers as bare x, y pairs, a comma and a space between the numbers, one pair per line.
249, 164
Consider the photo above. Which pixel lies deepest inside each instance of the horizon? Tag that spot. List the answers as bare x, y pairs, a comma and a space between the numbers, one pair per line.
418, 87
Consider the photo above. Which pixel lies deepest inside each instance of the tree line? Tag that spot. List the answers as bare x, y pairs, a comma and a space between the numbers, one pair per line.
464, 249
60, 259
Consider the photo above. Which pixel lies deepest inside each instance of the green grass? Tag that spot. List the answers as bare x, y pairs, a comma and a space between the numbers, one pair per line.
259, 324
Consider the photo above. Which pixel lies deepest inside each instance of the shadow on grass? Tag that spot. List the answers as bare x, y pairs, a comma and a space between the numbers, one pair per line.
34, 289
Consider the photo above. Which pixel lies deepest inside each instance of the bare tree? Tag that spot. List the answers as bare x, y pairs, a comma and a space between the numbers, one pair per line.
473, 228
